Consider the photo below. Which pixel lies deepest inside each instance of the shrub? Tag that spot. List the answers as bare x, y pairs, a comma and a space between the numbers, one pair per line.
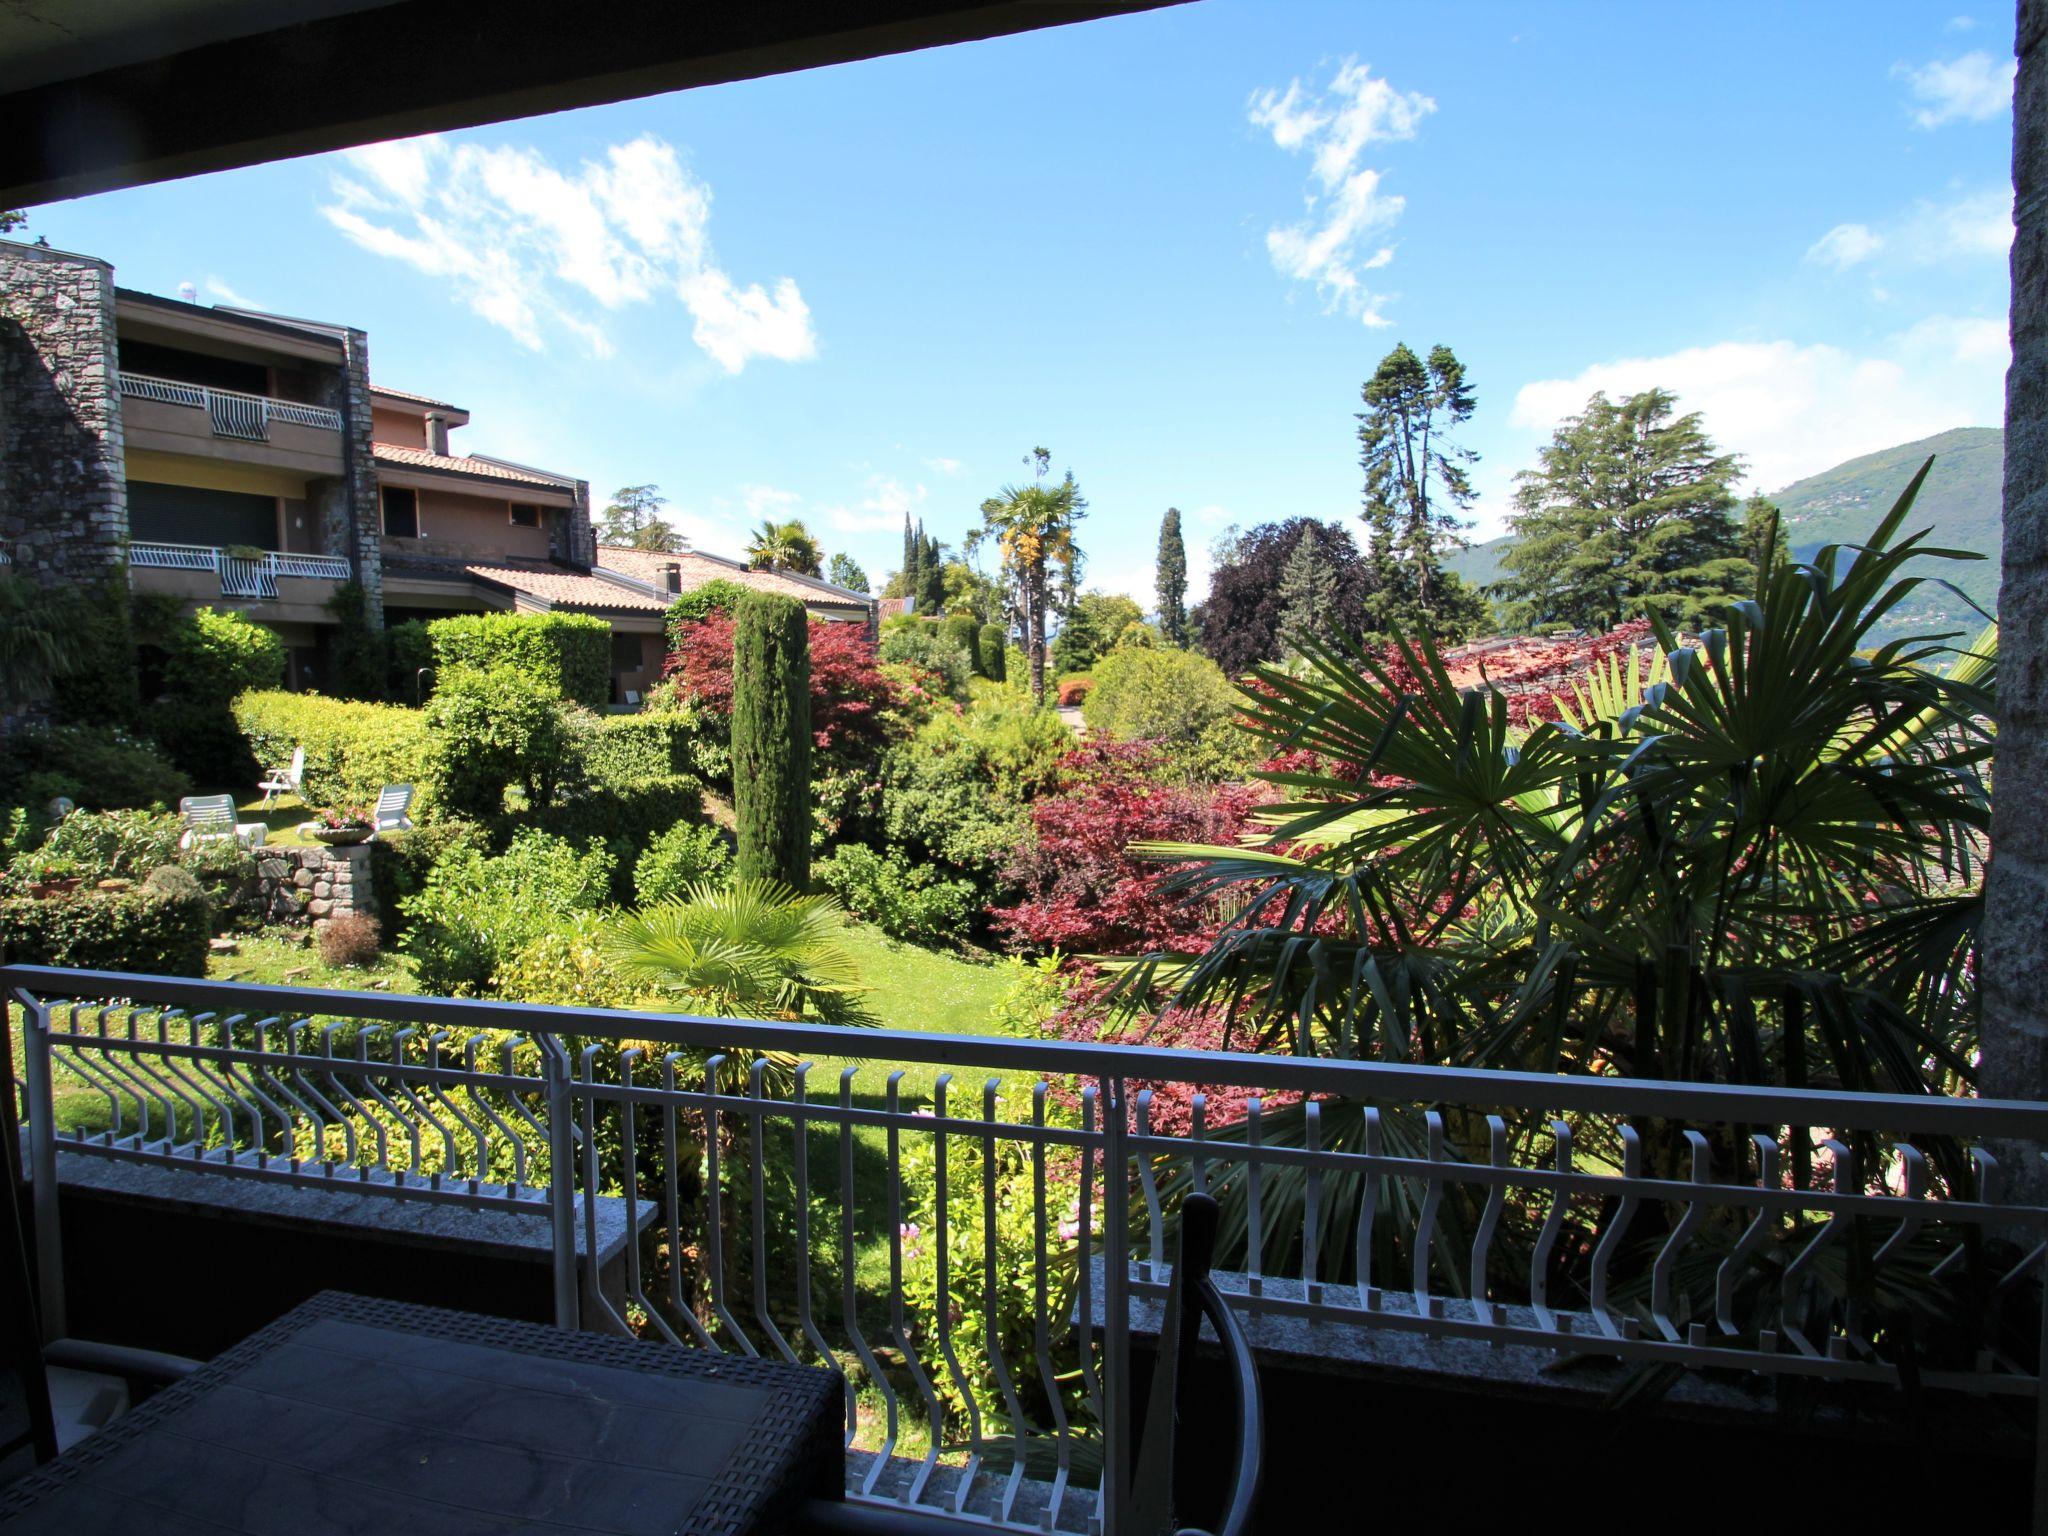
495, 727
401, 862
359, 652
104, 845
992, 652
352, 749
938, 655
408, 651
566, 966
350, 939
161, 926
700, 603
228, 872
210, 658
102, 770
1074, 690
683, 856
855, 709
567, 654
1181, 700
628, 747
476, 913
626, 818
771, 738
955, 793
964, 632
102, 649
905, 901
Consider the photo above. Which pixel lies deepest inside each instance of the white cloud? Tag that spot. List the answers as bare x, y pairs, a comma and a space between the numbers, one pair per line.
1345, 208
1793, 410
531, 247
768, 501
880, 508
944, 466
1960, 24
1967, 89
1845, 245
226, 295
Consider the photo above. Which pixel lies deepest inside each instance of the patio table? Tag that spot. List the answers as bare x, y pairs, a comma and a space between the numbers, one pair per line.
354, 1415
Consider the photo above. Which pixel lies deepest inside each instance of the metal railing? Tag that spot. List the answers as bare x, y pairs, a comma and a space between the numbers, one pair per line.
246, 577
230, 412
970, 1227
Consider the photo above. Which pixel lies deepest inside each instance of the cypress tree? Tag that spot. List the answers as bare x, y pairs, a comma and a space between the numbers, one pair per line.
909, 556
961, 629
1172, 580
771, 737
994, 653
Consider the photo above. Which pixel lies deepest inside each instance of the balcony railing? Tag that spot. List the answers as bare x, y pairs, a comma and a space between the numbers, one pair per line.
231, 413
975, 1226
241, 576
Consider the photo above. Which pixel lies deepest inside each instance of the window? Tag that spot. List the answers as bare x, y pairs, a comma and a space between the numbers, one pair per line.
401, 512
627, 655
525, 517
183, 514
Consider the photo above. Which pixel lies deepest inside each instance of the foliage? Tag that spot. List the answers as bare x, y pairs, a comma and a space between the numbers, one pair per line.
1308, 596
1171, 580
1092, 628
566, 966
1179, 699
1239, 622
1629, 512
569, 654
409, 651
360, 654
1406, 448
750, 949
475, 913
935, 654
105, 650
964, 630
100, 769
402, 862
1033, 526
783, 546
771, 739
905, 900
685, 855
161, 926
992, 653
211, 657
634, 520
352, 749
43, 634
490, 729
350, 939
717, 596
842, 570
104, 845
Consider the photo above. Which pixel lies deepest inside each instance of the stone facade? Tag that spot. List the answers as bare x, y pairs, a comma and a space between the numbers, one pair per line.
312, 884
2014, 964
355, 492
582, 536
63, 495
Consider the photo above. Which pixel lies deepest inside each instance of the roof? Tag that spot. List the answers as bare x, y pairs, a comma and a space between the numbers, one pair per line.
410, 398
698, 568
448, 464
560, 588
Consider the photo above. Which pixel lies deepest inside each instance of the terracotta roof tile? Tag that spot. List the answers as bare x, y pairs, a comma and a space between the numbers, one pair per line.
566, 589
419, 458
697, 568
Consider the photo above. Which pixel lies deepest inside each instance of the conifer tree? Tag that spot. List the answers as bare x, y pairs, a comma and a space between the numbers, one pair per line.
1308, 595
1417, 483
771, 737
1172, 580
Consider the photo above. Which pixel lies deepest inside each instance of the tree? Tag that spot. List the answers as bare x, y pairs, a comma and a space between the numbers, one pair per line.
1172, 580
771, 738
1308, 596
1033, 525
1093, 625
1630, 511
843, 570
929, 584
634, 519
12, 219
1239, 624
993, 652
1763, 536
1406, 448
786, 546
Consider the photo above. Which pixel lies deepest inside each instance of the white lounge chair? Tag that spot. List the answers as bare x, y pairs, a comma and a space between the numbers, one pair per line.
394, 802
285, 781
211, 818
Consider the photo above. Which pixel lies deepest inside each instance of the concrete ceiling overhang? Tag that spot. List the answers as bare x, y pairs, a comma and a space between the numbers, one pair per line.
99, 94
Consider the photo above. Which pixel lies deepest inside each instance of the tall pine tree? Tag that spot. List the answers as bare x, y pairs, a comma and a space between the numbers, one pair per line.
1308, 596
1629, 509
1417, 483
1172, 580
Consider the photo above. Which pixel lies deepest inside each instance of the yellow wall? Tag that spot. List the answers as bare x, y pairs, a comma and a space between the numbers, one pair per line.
214, 474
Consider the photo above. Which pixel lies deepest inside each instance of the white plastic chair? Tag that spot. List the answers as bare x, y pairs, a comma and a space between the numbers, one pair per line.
394, 802
285, 781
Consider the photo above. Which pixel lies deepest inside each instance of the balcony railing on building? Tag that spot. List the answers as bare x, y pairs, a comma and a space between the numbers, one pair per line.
231, 413
246, 576
882, 1200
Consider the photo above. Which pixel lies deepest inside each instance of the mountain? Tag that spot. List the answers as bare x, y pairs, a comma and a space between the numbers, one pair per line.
1961, 502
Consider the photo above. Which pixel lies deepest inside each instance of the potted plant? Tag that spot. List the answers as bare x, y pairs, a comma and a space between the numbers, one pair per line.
343, 825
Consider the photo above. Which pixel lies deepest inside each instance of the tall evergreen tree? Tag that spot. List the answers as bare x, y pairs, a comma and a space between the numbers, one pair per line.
910, 544
634, 519
1763, 535
1629, 509
1417, 483
771, 737
1309, 591
1172, 580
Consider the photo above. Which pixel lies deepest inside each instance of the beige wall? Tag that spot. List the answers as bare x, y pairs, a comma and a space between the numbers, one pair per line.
157, 426
400, 427
454, 525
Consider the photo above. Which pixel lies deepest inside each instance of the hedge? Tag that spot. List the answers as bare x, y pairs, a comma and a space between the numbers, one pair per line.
771, 738
628, 748
571, 652
352, 749
102, 770
161, 926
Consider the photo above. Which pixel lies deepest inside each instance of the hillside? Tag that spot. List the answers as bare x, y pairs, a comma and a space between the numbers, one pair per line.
1960, 502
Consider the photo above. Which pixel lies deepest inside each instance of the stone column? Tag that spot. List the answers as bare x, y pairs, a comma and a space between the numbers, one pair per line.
351, 521
2014, 962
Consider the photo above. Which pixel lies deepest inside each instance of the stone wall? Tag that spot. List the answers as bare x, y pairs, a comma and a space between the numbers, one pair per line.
2015, 942
311, 884
63, 496
348, 391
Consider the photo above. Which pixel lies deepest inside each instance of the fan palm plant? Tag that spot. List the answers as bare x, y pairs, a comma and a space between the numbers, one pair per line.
786, 546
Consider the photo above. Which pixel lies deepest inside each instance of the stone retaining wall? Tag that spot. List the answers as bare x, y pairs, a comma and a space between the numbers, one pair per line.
310, 884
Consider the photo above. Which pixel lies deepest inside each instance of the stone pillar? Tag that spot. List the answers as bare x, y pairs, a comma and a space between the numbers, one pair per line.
63, 483
582, 538
351, 522
2014, 963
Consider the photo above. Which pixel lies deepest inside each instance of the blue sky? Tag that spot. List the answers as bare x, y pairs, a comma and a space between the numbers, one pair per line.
1169, 247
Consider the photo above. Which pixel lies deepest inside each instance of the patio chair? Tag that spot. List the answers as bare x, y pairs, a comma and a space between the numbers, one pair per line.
394, 804
211, 818
285, 781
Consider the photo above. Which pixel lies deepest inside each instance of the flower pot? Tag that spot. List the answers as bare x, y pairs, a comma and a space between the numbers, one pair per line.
341, 837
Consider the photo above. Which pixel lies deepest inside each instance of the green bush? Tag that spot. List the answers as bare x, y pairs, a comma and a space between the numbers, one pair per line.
568, 653
492, 728
628, 747
683, 856
358, 650
955, 793
210, 658
1180, 699
100, 769
476, 913
963, 631
709, 754
699, 603
771, 738
352, 749
401, 862
992, 650
625, 818
102, 651
929, 651
567, 966
161, 927
905, 901
103, 845
408, 651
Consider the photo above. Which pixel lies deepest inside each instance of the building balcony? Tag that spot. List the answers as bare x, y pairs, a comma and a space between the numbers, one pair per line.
170, 416
199, 573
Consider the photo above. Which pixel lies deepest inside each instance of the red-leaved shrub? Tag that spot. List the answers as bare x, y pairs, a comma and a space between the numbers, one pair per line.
1074, 690
852, 701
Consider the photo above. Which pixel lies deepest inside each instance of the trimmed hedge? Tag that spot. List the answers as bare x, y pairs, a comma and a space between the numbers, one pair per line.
771, 738
628, 748
992, 652
570, 652
352, 749
161, 926
961, 629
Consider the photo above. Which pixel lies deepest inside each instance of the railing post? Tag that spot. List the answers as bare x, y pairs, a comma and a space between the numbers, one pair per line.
554, 1066
1116, 1304
42, 1139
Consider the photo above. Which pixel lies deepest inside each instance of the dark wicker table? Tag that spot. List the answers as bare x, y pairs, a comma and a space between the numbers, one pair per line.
352, 1415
